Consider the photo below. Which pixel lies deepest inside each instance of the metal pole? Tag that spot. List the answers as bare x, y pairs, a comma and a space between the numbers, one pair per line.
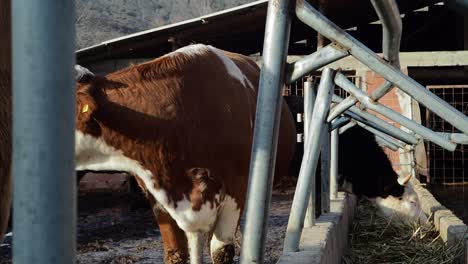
339, 122
347, 126
425, 132
384, 143
309, 102
316, 60
265, 138
334, 164
382, 90
5, 117
458, 138
372, 124
377, 123
309, 162
382, 135
306, 13
44, 218
341, 107
392, 27
325, 169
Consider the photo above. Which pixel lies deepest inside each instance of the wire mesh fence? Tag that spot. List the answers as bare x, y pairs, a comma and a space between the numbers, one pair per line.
447, 167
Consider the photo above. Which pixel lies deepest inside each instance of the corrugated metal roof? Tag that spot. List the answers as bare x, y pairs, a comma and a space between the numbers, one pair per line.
194, 21
239, 29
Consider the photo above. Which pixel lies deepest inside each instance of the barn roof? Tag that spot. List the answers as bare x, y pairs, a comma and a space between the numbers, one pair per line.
239, 29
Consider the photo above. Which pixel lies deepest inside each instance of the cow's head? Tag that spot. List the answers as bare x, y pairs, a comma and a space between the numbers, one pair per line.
86, 105
406, 205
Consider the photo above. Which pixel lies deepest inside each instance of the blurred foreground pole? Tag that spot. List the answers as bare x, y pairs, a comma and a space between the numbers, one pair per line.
43, 132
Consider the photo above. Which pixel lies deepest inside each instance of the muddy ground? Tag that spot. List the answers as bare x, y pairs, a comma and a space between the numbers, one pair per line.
118, 228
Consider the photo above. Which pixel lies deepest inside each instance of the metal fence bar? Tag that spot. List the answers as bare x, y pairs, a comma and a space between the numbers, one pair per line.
382, 135
309, 102
325, 169
341, 107
384, 139
347, 126
309, 162
334, 164
363, 121
339, 122
265, 138
458, 138
380, 91
316, 60
44, 218
310, 16
426, 133
392, 27
384, 143
377, 123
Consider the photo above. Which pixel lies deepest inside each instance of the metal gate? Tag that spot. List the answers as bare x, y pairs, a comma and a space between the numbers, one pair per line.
297, 88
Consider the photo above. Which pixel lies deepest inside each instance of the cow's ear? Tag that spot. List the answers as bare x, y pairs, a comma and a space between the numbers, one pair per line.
86, 106
82, 74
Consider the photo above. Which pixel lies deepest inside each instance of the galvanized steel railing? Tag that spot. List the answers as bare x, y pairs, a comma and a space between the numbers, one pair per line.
343, 115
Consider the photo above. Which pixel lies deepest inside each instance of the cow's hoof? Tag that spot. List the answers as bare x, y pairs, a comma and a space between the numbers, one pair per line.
224, 255
175, 257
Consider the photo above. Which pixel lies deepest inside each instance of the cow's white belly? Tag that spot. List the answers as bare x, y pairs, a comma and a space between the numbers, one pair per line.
94, 154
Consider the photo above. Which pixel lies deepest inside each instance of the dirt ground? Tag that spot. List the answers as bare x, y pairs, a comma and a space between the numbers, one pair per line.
119, 228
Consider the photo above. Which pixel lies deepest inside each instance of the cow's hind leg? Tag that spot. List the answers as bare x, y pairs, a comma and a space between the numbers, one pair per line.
174, 240
222, 242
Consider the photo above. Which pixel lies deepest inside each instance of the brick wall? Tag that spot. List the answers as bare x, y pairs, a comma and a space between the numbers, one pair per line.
372, 81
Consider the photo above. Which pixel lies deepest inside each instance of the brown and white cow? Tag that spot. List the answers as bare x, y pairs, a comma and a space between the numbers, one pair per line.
182, 124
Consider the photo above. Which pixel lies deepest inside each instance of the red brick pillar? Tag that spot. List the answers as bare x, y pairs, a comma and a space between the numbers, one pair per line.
390, 100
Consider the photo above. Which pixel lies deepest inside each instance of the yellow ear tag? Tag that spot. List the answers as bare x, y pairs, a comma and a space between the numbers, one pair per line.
85, 108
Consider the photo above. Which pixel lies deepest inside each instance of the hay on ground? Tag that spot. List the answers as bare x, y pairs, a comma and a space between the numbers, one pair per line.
375, 238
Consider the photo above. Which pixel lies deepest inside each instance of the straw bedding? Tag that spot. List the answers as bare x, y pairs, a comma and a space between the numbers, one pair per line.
375, 238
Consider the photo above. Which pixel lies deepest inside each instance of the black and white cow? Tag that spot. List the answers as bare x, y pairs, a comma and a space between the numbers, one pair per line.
365, 170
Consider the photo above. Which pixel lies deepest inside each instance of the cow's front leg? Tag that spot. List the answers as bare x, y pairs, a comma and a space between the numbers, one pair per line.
174, 240
222, 243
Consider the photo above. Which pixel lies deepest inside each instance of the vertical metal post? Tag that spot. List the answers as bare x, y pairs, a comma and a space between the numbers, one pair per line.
43, 132
325, 168
265, 138
309, 162
334, 164
309, 101
5, 116
392, 27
